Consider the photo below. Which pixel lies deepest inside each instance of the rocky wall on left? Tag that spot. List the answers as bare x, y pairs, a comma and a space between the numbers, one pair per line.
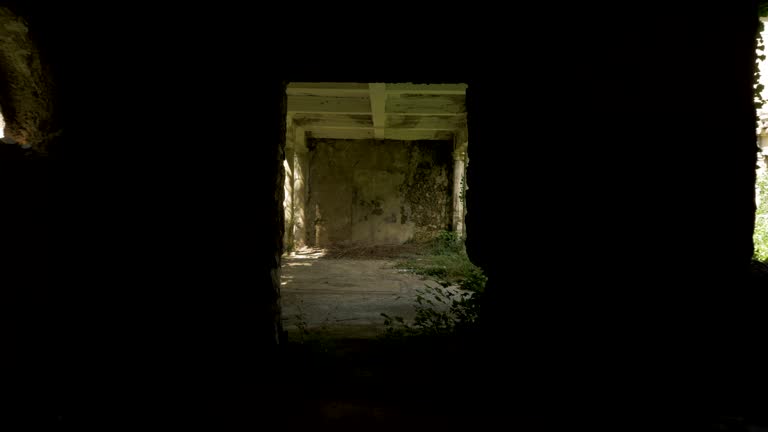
26, 88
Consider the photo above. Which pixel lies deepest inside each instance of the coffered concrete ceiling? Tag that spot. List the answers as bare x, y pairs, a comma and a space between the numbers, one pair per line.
401, 111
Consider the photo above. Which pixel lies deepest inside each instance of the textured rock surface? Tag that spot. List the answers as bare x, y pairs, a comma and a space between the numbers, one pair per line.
25, 86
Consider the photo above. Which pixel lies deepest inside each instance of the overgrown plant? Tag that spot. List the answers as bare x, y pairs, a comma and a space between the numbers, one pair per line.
455, 314
760, 236
446, 261
301, 323
315, 339
759, 58
450, 308
447, 243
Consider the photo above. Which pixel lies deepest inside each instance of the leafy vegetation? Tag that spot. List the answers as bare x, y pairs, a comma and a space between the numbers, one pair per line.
757, 86
313, 340
760, 237
446, 261
440, 312
451, 308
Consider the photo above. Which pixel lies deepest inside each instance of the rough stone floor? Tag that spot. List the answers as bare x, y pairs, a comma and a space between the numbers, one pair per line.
348, 379
344, 297
342, 375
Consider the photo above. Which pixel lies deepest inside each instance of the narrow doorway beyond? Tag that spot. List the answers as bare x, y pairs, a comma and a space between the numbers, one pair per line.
374, 181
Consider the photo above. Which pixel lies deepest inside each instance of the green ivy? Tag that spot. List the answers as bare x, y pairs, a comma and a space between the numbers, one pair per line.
447, 243
457, 316
445, 260
758, 88
760, 236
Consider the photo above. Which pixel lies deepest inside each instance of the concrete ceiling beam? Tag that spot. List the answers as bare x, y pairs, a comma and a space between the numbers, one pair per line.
378, 98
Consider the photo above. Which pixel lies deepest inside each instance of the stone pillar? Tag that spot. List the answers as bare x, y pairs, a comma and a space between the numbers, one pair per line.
459, 165
288, 163
300, 172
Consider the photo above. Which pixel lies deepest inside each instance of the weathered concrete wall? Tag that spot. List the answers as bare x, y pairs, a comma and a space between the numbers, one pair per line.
371, 192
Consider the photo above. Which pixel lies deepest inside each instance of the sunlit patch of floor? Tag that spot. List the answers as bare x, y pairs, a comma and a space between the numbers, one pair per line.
307, 253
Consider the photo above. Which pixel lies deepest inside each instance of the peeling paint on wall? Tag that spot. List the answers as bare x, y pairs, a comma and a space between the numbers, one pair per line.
378, 192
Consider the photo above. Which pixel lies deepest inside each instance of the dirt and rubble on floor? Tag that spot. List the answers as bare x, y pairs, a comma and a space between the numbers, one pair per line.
343, 292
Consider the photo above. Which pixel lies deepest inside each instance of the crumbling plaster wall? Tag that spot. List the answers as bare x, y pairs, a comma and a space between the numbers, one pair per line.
377, 192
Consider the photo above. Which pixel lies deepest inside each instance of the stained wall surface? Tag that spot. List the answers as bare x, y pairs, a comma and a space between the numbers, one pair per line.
367, 192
